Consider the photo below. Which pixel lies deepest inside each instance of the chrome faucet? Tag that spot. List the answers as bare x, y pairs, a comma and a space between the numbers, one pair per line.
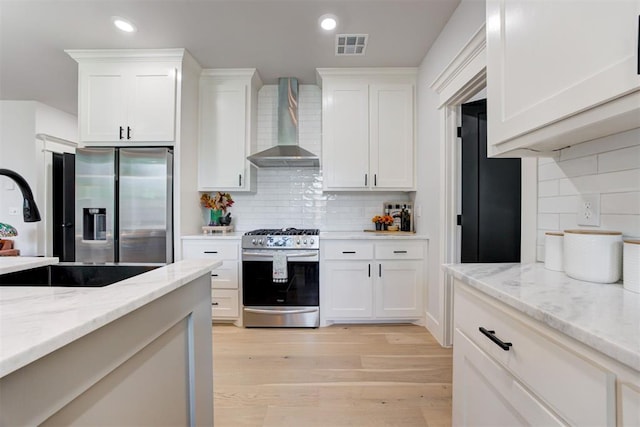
30, 211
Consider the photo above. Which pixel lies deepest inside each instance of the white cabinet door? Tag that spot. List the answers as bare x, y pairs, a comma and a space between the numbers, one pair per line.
223, 117
544, 65
345, 144
152, 103
349, 289
102, 101
124, 102
398, 286
486, 394
391, 136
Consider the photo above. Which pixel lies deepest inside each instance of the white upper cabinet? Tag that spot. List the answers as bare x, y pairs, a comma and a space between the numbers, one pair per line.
368, 128
560, 73
127, 98
228, 112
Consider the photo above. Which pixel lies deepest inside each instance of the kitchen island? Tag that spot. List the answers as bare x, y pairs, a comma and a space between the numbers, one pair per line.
542, 347
137, 352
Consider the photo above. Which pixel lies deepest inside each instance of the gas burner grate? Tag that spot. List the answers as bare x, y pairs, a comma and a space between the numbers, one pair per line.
283, 232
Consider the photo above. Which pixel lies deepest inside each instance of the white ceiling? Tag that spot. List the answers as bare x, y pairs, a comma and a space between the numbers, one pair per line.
278, 37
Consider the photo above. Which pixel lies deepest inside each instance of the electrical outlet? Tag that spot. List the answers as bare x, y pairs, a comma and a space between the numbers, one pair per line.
13, 211
589, 210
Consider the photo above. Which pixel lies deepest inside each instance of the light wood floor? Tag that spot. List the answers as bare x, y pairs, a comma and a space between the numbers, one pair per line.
343, 375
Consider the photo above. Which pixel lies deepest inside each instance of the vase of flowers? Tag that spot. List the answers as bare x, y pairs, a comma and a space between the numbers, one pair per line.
382, 222
217, 204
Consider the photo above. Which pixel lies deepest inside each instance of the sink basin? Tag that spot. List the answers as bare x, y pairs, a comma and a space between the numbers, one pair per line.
75, 274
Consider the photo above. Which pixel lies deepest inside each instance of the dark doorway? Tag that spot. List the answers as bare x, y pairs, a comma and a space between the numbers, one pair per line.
63, 181
490, 195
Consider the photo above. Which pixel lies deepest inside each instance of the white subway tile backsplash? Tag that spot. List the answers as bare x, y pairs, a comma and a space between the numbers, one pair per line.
608, 166
602, 145
549, 222
620, 203
619, 160
548, 188
293, 197
564, 204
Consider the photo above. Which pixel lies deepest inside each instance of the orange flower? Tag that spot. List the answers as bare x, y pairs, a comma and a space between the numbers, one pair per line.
221, 201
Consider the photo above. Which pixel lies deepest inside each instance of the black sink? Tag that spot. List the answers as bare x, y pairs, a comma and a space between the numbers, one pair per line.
75, 274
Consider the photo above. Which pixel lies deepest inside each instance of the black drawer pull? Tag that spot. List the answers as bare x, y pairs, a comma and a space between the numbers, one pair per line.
379, 270
128, 132
214, 275
214, 303
399, 252
121, 130
348, 252
210, 252
492, 336
240, 180
369, 270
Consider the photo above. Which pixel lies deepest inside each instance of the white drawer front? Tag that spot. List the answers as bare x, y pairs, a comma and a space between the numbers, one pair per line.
400, 250
347, 250
579, 391
225, 276
210, 249
224, 303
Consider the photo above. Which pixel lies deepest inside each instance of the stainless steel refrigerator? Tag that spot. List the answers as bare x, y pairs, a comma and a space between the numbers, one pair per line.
124, 205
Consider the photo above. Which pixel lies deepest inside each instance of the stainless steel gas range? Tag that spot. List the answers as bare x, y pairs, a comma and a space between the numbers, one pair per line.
281, 278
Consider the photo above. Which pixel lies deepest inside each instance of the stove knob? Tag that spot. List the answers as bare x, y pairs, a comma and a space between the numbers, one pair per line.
311, 241
298, 242
304, 241
253, 242
261, 242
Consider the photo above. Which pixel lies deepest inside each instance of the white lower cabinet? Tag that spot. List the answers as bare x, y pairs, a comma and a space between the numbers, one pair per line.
520, 372
225, 289
376, 281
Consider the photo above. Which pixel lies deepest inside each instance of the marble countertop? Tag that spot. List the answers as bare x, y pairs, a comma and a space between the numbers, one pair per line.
234, 235
34, 321
10, 264
605, 317
366, 235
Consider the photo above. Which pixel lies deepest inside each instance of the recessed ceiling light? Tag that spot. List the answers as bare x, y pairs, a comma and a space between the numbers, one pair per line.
124, 25
328, 22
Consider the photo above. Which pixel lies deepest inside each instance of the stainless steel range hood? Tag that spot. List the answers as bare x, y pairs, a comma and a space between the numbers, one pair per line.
287, 153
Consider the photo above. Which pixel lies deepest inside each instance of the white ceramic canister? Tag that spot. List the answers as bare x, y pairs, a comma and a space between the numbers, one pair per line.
631, 265
553, 247
593, 256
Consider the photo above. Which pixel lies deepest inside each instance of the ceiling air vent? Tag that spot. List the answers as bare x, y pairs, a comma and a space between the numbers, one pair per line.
351, 44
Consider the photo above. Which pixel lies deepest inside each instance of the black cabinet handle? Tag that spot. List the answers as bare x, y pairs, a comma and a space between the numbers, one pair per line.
369, 270
348, 252
399, 252
638, 57
492, 336
379, 270
121, 130
128, 132
239, 180
210, 252
375, 179
214, 303
214, 275
365, 179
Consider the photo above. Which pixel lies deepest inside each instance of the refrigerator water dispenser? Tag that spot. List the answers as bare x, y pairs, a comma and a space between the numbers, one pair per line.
94, 224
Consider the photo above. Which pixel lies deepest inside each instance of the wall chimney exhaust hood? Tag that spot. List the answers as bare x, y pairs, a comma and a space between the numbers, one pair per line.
287, 153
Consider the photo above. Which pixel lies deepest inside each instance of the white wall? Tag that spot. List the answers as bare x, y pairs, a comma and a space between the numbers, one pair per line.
20, 121
465, 21
293, 197
607, 166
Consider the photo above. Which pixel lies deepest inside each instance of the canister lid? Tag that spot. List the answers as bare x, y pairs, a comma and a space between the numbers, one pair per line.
554, 233
632, 241
596, 232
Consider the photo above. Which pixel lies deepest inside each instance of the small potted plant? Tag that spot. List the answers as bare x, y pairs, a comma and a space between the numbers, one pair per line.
218, 205
382, 222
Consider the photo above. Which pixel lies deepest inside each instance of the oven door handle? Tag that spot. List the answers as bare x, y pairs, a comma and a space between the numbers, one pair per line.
270, 254
296, 311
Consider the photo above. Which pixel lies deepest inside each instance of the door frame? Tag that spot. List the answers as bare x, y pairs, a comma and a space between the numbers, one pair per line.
464, 77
